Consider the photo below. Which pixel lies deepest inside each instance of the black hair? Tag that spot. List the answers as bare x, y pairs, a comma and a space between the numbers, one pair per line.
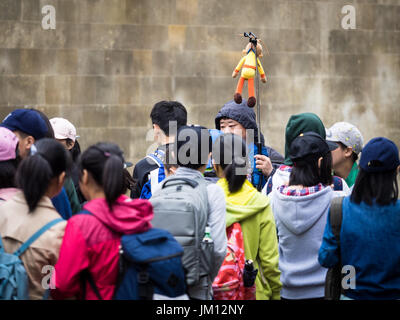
75, 151
129, 182
379, 186
170, 158
192, 146
306, 172
35, 172
229, 151
105, 162
165, 111
50, 131
8, 169
354, 156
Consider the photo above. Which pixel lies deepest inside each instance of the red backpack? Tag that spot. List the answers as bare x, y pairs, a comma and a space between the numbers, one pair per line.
228, 285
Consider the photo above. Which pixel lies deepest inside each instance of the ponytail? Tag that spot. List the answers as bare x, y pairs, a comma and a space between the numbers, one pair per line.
75, 151
105, 163
113, 179
33, 177
229, 152
35, 173
233, 176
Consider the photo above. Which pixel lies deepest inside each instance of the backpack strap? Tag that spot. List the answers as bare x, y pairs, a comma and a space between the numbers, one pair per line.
156, 159
333, 287
145, 287
153, 174
336, 217
87, 276
36, 235
1, 245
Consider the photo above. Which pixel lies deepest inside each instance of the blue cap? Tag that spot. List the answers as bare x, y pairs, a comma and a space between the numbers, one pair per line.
379, 155
27, 121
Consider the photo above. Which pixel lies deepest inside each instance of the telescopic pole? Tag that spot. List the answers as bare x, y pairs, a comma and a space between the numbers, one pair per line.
259, 144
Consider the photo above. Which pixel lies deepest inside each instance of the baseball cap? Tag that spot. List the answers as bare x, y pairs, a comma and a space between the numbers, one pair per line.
347, 134
8, 144
310, 144
379, 155
27, 121
63, 129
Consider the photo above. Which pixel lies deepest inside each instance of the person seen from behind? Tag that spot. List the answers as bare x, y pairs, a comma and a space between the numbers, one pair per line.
92, 237
9, 160
163, 114
369, 232
300, 209
253, 212
40, 177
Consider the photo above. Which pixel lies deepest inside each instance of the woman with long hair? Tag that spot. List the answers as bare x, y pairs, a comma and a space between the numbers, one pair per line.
300, 210
251, 209
40, 177
92, 237
370, 227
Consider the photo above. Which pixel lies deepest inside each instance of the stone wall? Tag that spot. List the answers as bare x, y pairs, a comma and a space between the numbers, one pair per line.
108, 61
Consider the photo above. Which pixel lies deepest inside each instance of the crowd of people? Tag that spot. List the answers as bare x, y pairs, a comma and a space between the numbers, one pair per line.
254, 205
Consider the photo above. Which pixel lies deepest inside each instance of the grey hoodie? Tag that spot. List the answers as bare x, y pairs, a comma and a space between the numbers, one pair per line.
300, 221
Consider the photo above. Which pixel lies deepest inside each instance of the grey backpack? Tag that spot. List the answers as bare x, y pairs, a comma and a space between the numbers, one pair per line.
181, 207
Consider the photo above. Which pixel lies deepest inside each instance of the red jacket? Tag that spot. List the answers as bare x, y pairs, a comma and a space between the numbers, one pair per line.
92, 241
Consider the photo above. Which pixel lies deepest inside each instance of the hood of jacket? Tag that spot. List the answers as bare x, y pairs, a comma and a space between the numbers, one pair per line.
242, 114
300, 213
128, 215
242, 204
300, 123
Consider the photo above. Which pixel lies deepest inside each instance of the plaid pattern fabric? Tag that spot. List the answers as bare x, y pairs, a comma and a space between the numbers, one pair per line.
288, 191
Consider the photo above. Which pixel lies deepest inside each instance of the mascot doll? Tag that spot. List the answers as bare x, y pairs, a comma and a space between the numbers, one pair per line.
248, 66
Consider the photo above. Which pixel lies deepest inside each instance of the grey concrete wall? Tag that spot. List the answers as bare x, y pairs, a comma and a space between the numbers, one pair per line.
108, 61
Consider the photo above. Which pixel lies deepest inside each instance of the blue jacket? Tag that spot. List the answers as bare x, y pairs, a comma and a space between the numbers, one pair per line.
370, 241
62, 205
256, 174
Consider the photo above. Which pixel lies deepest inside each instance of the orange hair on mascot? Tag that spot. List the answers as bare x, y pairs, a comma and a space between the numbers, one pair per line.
248, 66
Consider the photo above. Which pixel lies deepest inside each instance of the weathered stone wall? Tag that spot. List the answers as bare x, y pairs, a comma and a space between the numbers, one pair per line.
108, 61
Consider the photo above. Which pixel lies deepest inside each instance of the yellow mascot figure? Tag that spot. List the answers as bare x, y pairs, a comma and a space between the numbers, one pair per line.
248, 66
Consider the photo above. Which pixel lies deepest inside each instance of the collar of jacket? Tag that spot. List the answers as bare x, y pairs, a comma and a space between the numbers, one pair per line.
183, 171
44, 202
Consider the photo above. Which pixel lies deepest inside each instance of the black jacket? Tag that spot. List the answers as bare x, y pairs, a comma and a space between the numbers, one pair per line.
141, 173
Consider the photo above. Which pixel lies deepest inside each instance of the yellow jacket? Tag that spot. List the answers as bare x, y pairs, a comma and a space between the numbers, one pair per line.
248, 62
253, 211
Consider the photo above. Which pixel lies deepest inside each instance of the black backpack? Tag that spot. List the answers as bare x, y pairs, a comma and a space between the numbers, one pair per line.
333, 280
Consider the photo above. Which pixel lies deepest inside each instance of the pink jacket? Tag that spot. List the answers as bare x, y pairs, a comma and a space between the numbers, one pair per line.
92, 241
